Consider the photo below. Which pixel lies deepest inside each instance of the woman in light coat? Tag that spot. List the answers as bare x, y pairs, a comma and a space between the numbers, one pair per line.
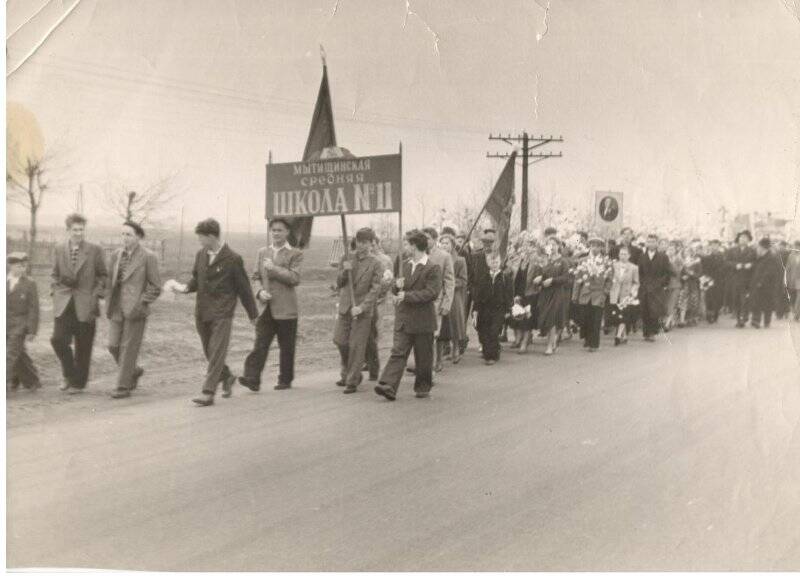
623, 295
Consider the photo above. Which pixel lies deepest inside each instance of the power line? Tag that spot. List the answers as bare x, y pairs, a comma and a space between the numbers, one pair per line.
529, 143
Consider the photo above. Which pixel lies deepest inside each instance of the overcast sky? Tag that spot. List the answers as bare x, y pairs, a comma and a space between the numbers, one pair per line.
684, 106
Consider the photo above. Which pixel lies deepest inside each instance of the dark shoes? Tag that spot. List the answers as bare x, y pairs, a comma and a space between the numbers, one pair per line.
385, 391
755, 325
350, 389
341, 383
120, 394
373, 377
283, 386
422, 394
74, 390
204, 400
617, 341
249, 384
489, 362
650, 339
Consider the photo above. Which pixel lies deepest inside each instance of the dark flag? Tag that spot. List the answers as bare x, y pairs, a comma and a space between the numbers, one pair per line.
321, 135
500, 204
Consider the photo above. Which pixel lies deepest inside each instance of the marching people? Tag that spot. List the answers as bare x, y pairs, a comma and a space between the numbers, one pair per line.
78, 282
793, 279
493, 297
22, 323
626, 240
654, 273
592, 282
526, 294
359, 284
416, 292
277, 273
741, 259
623, 295
713, 265
135, 285
767, 274
218, 278
689, 296
373, 362
554, 297
673, 291
453, 325
444, 261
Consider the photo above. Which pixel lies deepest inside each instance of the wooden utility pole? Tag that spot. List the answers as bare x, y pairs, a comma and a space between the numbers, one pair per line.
529, 143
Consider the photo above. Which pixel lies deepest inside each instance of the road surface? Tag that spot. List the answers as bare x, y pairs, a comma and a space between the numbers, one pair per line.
678, 455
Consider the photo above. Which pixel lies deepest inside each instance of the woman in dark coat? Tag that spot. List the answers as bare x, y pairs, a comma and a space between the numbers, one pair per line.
554, 298
526, 294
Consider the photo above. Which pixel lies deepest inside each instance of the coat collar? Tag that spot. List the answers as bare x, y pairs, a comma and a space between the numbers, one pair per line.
135, 261
81, 256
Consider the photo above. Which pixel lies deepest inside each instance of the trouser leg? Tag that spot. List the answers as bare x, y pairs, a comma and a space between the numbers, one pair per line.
19, 366
63, 332
401, 348
595, 324
372, 354
130, 344
257, 358
216, 345
84, 342
341, 338
287, 340
359, 335
423, 355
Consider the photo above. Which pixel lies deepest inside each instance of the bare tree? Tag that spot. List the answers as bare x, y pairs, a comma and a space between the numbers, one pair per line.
26, 187
142, 205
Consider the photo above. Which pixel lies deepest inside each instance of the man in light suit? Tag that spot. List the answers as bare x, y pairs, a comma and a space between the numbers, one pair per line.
135, 285
78, 282
444, 261
277, 271
416, 292
362, 273
22, 323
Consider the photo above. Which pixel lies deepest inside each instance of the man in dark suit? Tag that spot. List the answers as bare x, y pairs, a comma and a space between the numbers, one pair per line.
135, 285
627, 240
359, 284
218, 278
79, 277
767, 275
654, 274
277, 271
741, 260
22, 323
416, 292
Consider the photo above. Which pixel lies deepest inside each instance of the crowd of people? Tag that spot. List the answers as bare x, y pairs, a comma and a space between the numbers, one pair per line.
440, 284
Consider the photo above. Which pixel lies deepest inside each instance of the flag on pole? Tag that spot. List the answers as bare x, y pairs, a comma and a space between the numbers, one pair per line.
321, 135
501, 202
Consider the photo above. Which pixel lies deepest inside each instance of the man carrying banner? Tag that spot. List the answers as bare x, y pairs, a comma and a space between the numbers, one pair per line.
359, 283
277, 270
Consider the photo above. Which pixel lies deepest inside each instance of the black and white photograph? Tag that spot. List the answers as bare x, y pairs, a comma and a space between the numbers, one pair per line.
409, 286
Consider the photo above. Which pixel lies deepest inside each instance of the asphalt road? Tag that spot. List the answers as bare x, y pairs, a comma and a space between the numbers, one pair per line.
679, 455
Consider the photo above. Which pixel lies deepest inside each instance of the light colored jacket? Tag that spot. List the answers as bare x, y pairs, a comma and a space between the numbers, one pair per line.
139, 286
445, 262
84, 284
280, 281
625, 281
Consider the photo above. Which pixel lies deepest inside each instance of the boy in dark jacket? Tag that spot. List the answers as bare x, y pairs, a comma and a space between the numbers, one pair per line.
493, 297
22, 323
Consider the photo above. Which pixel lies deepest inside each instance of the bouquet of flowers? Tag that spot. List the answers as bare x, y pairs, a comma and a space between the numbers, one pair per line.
591, 267
629, 301
706, 282
518, 312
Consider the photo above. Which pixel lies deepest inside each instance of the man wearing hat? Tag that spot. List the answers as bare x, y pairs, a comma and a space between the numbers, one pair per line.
79, 278
22, 323
767, 274
135, 285
741, 259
